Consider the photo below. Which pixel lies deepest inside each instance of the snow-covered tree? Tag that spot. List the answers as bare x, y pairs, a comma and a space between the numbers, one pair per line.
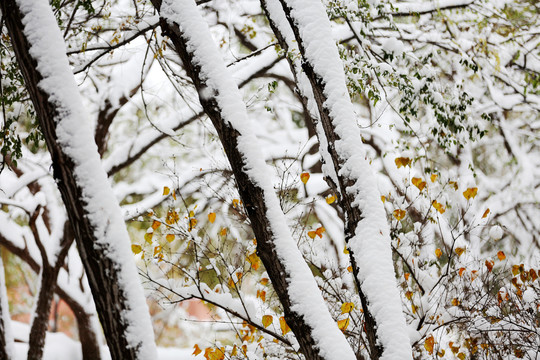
333, 179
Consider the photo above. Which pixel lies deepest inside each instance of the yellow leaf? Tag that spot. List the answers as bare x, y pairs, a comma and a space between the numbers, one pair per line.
429, 343
155, 224
166, 190
489, 265
192, 223
486, 213
461, 271
501, 255
235, 203
438, 206
461, 356
262, 295
136, 248
413, 308
264, 281
283, 325
407, 276
191, 213
419, 183
267, 320
330, 199
347, 307
234, 350
403, 161
197, 350
470, 193
383, 199
455, 302
174, 194
254, 260
304, 177
459, 251
399, 214
212, 217
438, 253
169, 237
454, 185
349, 268
345, 251
319, 231
343, 324
157, 250
148, 237
223, 232
312, 234
172, 217
433, 177
409, 295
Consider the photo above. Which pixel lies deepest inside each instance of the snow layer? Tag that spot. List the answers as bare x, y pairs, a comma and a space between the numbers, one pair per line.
4, 307
75, 137
305, 296
371, 242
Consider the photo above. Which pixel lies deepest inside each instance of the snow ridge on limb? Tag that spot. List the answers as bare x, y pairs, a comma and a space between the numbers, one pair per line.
6, 336
302, 300
94, 212
368, 231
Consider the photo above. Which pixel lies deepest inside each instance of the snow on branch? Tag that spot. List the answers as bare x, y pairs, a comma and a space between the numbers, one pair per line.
307, 306
369, 238
100, 218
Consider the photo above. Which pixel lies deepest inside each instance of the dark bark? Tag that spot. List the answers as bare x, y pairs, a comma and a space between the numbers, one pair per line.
49, 275
345, 200
252, 195
87, 335
111, 302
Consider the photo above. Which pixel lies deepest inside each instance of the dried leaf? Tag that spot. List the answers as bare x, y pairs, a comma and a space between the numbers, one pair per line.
347, 307
486, 213
155, 224
136, 248
343, 324
433, 177
399, 214
197, 350
419, 183
459, 251
166, 190
283, 325
501, 255
304, 177
267, 320
489, 265
438, 253
438, 206
470, 193
148, 237
330, 199
403, 161
212, 217
254, 260
429, 343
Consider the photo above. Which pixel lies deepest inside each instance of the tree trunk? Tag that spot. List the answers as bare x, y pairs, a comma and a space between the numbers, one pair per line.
115, 301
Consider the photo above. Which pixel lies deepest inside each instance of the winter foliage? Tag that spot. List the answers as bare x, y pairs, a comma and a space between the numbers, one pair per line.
392, 148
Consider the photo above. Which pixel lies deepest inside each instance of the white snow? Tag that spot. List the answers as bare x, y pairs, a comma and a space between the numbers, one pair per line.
305, 296
371, 243
4, 307
75, 137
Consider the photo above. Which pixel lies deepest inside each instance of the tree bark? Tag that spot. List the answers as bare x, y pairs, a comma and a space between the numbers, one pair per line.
101, 268
252, 195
